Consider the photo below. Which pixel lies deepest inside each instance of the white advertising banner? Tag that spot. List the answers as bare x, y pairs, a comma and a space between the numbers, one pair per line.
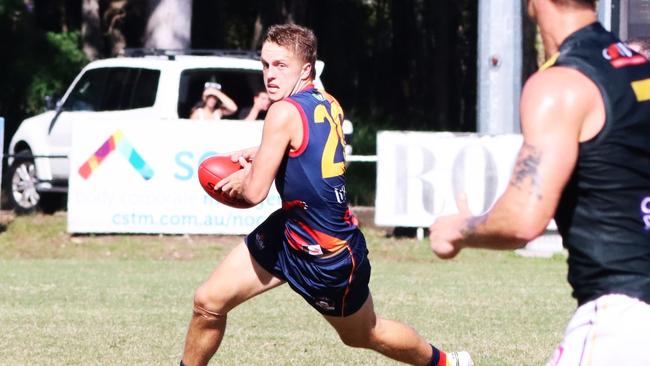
140, 177
421, 174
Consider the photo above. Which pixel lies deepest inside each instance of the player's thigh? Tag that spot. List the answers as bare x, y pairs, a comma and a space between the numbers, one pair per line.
612, 330
623, 334
358, 327
236, 279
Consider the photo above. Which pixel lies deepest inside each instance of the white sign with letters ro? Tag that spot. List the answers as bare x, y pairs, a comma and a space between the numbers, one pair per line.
421, 174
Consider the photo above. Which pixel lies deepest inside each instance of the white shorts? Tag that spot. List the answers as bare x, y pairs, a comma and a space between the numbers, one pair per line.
611, 330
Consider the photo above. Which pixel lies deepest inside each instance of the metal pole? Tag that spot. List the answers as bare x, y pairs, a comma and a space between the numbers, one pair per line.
499, 66
623, 20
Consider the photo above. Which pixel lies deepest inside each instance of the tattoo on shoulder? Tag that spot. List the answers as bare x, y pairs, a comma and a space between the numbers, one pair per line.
472, 223
526, 169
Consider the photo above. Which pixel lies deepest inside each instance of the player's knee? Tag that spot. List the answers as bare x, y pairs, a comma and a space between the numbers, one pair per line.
356, 340
208, 315
207, 305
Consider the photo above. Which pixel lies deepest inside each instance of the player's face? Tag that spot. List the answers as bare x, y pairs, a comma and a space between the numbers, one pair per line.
283, 71
211, 101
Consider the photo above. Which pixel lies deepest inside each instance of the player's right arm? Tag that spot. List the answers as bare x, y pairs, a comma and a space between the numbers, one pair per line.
282, 131
555, 105
247, 154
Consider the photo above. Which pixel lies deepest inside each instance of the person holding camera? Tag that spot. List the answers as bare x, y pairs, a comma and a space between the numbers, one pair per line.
214, 105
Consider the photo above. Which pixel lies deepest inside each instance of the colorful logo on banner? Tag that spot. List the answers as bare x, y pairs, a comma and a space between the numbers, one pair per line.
116, 142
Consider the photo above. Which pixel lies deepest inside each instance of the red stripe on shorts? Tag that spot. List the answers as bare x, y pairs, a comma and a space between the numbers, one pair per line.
347, 288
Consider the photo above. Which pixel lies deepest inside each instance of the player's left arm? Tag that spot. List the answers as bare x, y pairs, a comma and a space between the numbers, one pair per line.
554, 105
282, 128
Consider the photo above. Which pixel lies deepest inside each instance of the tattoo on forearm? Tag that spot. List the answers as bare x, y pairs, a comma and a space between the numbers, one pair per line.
526, 169
472, 223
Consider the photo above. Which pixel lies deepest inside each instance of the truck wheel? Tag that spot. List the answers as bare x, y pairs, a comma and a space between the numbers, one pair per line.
22, 184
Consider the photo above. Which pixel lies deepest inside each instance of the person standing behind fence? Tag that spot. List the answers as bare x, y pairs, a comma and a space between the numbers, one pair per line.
313, 242
585, 159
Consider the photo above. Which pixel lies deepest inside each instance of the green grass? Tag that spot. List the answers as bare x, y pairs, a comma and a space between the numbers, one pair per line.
113, 300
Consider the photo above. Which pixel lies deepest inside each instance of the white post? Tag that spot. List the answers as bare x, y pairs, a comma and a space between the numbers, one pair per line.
419, 233
499, 66
605, 13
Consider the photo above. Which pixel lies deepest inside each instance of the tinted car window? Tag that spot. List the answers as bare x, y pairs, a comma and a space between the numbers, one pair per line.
119, 84
146, 88
87, 94
114, 89
240, 85
131, 88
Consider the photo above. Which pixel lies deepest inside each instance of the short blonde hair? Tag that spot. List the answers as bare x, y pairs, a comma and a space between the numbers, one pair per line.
299, 40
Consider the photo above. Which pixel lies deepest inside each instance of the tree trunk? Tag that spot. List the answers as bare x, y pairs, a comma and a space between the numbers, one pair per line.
114, 19
170, 24
296, 11
257, 33
445, 69
404, 29
91, 29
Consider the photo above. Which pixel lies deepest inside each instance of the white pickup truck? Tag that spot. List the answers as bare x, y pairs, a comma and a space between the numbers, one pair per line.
145, 84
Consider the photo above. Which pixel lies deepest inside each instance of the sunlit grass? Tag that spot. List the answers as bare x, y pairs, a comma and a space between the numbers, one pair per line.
132, 307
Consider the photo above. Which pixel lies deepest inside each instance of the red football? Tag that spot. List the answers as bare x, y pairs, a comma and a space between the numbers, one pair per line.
211, 171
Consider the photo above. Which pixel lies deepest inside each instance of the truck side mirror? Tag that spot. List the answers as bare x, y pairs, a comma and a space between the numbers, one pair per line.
51, 102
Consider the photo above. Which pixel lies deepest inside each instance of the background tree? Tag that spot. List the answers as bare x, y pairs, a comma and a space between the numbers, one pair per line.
407, 64
91, 29
169, 24
41, 55
403, 65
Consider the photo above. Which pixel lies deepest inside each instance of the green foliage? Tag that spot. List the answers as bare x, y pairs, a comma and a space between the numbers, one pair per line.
360, 183
35, 63
361, 177
51, 79
7, 7
365, 133
12, 26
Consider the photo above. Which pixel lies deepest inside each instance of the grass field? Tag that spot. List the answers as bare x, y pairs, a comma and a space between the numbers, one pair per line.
126, 300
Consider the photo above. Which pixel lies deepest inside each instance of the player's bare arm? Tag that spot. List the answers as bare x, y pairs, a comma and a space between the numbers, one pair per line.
559, 108
282, 131
247, 154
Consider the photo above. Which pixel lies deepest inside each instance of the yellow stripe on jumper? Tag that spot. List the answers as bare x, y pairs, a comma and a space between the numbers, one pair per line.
642, 90
550, 62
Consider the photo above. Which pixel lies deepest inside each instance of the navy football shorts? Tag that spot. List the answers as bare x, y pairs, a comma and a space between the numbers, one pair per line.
335, 286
